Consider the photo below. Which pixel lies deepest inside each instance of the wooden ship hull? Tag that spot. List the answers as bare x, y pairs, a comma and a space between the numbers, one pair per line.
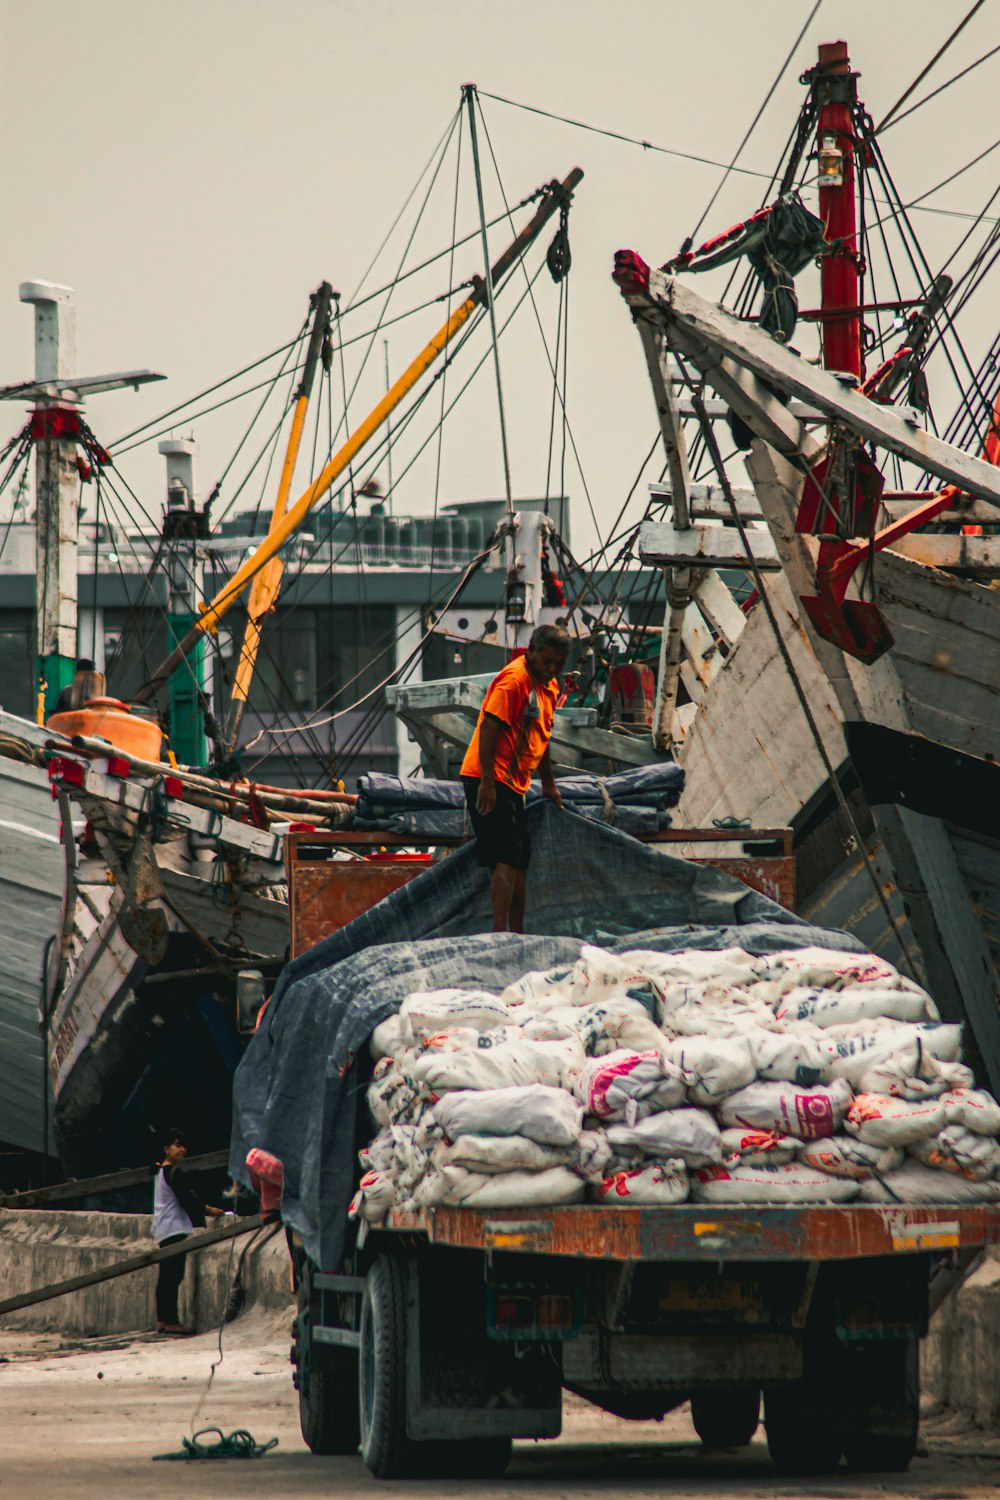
749, 754
31, 887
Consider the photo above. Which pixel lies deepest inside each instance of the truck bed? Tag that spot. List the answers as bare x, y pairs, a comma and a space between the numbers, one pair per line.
793, 1232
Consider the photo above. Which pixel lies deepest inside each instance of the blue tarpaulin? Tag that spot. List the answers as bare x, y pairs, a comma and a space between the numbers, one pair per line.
296, 1090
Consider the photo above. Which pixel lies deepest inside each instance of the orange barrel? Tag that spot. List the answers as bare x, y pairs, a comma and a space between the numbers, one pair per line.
110, 719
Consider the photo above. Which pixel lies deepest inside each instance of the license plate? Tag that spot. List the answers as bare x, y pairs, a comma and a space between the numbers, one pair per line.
710, 1296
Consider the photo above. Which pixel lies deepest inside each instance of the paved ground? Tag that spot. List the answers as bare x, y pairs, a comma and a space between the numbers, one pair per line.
83, 1418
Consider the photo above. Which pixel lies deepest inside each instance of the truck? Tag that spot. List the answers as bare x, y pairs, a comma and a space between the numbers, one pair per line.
441, 1335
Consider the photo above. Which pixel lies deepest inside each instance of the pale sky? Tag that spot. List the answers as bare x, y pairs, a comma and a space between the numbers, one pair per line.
194, 168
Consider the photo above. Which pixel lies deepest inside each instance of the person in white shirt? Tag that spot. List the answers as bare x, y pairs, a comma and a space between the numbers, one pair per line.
177, 1211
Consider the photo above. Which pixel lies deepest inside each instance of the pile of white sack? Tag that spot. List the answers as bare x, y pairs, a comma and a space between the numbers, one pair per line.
803, 1076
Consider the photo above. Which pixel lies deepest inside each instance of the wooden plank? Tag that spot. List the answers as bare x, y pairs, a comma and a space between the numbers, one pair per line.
969, 556
701, 649
718, 332
704, 547
671, 430
718, 605
709, 500
135, 794
972, 513
957, 960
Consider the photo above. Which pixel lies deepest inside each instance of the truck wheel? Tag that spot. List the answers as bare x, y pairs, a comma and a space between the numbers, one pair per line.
385, 1446
328, 1408
800, 1437
328, 1398
881, 1436
725, 1419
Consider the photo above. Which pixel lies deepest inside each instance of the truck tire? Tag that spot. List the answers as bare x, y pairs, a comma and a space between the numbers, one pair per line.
726, 1419
801, 1437
328, 1407
386, 1447
328, 1398
881, 1434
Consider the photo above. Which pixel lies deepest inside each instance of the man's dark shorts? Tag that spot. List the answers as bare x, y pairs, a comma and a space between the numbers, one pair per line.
502, 836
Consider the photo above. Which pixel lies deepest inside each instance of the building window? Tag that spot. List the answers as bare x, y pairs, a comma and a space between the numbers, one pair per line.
17, 662
357, 651
284, 678
135, 643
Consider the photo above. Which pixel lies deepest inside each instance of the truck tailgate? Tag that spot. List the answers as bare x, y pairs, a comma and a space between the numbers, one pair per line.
690, 1233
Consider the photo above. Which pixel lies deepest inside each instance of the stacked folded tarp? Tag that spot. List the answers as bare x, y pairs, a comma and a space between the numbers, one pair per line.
805, 1075
636, 801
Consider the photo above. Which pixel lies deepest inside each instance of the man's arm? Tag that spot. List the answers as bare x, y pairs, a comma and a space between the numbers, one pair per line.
489, 738
549, 788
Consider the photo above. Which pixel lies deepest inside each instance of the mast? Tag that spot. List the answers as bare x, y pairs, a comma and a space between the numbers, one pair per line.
554, 196
57, 428
835, 93
184, 526
266, 583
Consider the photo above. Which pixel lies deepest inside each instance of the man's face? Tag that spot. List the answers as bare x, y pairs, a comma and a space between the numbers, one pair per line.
175, 1152
545, 662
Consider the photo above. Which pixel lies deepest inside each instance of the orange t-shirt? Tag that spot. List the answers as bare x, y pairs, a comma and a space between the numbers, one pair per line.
527, 709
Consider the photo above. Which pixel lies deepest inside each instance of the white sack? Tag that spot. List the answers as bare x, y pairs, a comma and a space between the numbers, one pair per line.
892, 1076
712, 1067
593, 1155
658, 1182
955, 1149
599, 975
378, 1155
915, 1183
508, 1064
759, 1148
787, 1056
731, 1014
540, 989
628, 1085
619, 1023
375, 1196
501, 1153
690, 1134
547, 1115
454, 1185
428, 1011
905, 1048
387, 1039
825, 1007
808, 1114
843, 1156
880, 1120
974, 1108
390, 1097
792, 1183
822, 968
555, 1025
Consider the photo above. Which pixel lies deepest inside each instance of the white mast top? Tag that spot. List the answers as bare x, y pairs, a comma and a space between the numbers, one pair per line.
55, 329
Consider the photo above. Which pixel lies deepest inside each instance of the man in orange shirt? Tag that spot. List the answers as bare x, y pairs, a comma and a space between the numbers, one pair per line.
511, 740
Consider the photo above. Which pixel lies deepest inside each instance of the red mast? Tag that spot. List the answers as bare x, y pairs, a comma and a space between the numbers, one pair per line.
834, 91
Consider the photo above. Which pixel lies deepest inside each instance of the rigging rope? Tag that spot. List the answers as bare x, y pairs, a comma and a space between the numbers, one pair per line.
756, 119
821, 750
924, 71
940, 89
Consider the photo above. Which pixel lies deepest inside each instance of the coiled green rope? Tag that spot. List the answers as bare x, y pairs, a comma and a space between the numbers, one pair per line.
239, 1444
